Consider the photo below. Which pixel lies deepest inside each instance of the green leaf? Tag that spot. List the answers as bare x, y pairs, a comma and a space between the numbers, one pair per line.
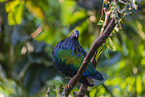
60, 89
35, 10
15, 10
19, 13
51, 92
139, 85
106, 53
111, 44
63, 94
100, 50
101, 22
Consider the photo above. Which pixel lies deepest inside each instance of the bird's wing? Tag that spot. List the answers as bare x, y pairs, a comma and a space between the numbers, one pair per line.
83, 52
64, 56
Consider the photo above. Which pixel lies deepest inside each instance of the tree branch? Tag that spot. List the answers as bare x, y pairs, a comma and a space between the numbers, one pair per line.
98, 42
83, 89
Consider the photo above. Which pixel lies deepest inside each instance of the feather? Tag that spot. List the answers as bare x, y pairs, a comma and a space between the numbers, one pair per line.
68, 56
73, 48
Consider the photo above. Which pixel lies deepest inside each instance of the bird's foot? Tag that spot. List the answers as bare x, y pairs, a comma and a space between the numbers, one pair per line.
69, 85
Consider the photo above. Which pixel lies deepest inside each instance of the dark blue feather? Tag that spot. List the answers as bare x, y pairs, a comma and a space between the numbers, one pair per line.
71, 44
73, 48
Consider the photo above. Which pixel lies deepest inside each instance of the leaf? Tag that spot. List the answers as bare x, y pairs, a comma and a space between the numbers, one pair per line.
60, 89
106, 53
15, 10
139, 84
101, 22
35, 10
63, 94
19, 13
111, 45
100, 50
51, 92
133, 3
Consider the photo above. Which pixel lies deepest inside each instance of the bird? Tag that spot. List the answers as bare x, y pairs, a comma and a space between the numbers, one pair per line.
68, 56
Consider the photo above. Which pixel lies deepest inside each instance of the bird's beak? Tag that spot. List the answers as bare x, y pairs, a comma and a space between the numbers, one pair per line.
76, 35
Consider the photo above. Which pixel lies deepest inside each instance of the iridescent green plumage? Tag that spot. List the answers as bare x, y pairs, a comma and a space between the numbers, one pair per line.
68, 56
72, 60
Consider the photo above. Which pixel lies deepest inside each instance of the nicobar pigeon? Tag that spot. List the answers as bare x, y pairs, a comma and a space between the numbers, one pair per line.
68, 56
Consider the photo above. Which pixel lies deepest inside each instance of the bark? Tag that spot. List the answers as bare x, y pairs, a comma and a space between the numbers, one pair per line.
98, 43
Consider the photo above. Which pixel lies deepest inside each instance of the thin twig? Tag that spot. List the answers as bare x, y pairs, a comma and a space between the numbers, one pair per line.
102, 11
82, 91
107, 14
98, 43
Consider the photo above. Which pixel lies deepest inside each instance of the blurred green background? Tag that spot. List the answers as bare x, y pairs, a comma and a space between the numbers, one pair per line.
29, 29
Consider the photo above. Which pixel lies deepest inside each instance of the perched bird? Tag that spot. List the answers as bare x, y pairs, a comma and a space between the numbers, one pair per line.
68, 56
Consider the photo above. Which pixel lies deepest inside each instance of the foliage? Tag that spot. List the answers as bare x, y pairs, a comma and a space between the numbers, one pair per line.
29, 29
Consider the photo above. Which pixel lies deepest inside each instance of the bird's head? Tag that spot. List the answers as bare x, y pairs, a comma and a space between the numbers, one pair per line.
75, 33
